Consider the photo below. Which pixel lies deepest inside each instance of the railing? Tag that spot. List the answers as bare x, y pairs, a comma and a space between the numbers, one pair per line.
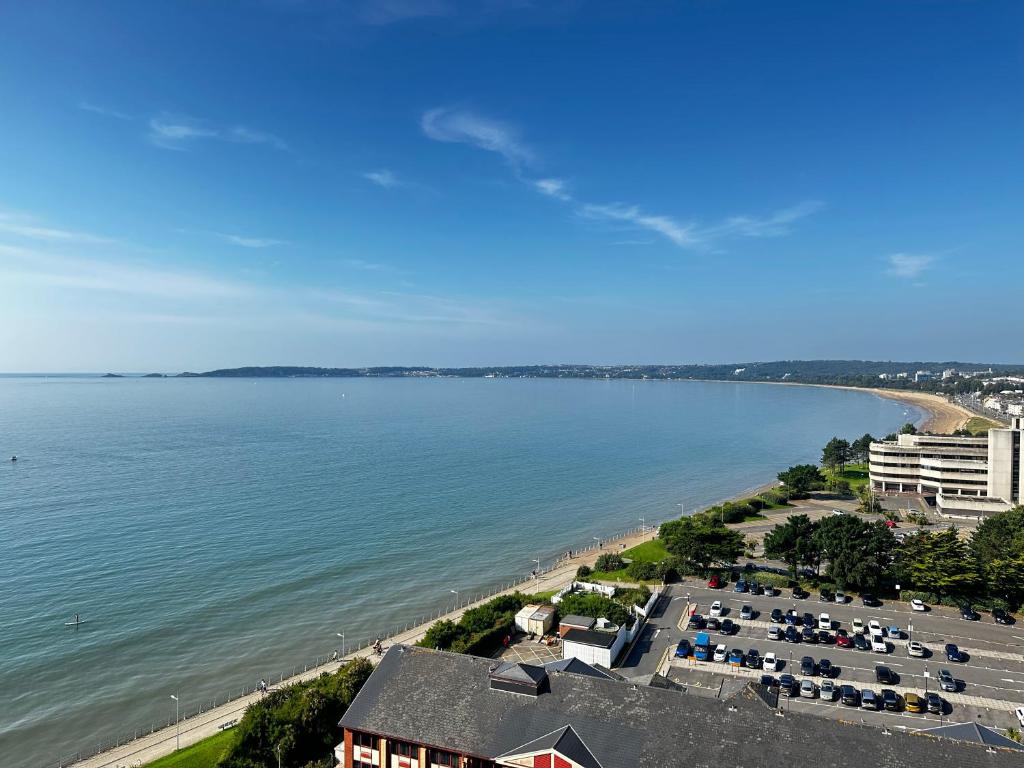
353, 649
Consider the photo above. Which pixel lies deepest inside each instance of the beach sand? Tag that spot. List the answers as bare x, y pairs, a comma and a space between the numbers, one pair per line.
944, 416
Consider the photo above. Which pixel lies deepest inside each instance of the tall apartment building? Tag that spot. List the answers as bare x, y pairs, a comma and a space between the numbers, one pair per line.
960, 475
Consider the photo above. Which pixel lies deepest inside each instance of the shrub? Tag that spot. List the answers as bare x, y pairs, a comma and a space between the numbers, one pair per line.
639, 571
583, 572
629, 596
668, 570
594, 605
441, 634
609, 562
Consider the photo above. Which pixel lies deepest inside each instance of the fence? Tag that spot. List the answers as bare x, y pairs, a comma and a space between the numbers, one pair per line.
352, 648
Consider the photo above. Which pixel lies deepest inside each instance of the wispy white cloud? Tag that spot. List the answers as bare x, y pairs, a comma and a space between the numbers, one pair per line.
908, 265
553, 188
383, 178
181, 133
683, 235
463, 127
30, 228
88, 106
773, 225
249, 242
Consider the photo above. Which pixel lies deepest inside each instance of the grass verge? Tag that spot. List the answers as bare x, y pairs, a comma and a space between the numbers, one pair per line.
202, 754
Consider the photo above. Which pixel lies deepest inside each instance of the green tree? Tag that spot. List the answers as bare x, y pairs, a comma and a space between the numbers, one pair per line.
937, 562
802, 479
997, 546
793, 542
593, 604
859, 554
860, 448
440, 634
908, 429
869, 502
701, 541
835, 454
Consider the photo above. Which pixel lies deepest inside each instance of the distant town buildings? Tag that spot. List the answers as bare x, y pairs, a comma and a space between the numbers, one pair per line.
961, 475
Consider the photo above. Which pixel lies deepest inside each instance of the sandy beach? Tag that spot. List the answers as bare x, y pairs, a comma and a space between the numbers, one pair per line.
945, 417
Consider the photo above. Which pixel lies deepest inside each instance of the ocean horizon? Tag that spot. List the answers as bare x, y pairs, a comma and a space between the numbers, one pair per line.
213, 532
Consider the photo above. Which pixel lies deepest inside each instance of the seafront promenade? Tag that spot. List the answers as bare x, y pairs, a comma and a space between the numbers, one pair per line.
188, 731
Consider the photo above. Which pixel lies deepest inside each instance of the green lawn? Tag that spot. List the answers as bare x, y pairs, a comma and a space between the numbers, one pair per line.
980, 425
203, 754
652, 551
855, 474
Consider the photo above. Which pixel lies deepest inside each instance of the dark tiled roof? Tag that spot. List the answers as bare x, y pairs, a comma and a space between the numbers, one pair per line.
520, 673
445, 700
589, 637
578, 621
973, 732
565, 741
578, 667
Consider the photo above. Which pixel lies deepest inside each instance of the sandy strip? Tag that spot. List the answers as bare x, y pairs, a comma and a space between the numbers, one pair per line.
944, 416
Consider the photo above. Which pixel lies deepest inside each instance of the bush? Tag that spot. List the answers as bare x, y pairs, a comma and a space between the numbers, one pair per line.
776, 496
480, 629
583, 572
639, 571
775, 579
609, 562
594, 605
668, 570
440, 634
632, 596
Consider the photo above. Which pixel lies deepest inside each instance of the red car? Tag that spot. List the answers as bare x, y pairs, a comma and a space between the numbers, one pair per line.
843, 639
714, 582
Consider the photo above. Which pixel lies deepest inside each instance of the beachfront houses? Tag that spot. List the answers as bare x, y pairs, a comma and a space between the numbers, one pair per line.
961, 476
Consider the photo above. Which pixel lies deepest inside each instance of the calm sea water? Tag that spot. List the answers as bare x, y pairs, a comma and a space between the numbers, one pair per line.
213, 532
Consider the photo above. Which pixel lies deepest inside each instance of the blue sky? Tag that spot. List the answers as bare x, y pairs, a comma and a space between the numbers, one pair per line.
188, 185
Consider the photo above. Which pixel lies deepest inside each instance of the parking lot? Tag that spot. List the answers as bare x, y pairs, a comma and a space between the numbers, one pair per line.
990, 682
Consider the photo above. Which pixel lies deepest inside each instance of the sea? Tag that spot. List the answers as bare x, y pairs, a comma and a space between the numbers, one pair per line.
213, 532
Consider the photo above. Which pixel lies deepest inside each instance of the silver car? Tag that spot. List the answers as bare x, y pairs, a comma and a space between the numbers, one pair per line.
946, 681
808, 689
827, 690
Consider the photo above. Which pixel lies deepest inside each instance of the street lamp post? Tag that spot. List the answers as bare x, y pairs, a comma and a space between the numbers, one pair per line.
537, 561
342, 636
457, 601
643, 525
177, 724
595, 538
682, 509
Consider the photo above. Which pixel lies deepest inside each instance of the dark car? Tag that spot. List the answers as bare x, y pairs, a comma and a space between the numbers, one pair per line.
712, 623
747, 612
953, 653
825, 668
767, 680
885, 676
809, 635
791, 618
728, 627
843, 639
890, 700
825, 638
808, 621
754, 588
936, 704
967, 613
777, 615
753, 659
807, 666
696, 621
869, 699
861, 643
741, 586
683, 649
849, 695
799, 594
791, 636
826, 596
870, 600
787, 684
947, 682
1001, 617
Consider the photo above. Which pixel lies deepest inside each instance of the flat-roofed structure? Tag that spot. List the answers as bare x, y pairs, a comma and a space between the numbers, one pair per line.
960, 475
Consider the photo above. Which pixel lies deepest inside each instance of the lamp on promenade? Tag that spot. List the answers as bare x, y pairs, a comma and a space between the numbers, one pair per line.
177, 724
682, 509
537, 572
643, 525
342, 636
597, 540
456, 593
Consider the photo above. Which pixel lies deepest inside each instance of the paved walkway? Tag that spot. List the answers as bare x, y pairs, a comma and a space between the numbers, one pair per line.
159, 743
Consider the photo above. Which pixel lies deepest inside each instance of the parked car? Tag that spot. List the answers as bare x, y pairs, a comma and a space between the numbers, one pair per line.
754, 588
741, 586
838, 512
774, 632
776, 615
696, 621
849, 695
878, 645
808, 621
947, 682
825, 668
913, 703
875, 628
716, 609
857, 626
770, 662
791, 617
870, 600
918, 605
953, 653
843, 639
791, 636
712, 624
916, 649
826, 596
869, 699
683, 649
891, 700
720, 652
715, 582
936, 704
768, 680
753, 659
893, 632
770, 591
827, 690
824, 621
840, 598
825, 638
787, 684
999, 616
736, 657
747, 612
728, 627
809, 635
885, 676
807, 666
861, 643
800, 594
808, 689
967, 613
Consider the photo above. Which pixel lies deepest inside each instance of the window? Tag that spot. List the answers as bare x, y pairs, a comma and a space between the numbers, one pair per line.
403, 749
447, 759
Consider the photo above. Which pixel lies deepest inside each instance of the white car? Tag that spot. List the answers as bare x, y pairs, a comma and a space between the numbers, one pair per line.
838, 512
827, 690
824, 621
774, 632
918, 605
878, 645
1019, 712
916, 649
770, 662
857, 626
875, 628
840, 598
808, 689
720, 652
716, 609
